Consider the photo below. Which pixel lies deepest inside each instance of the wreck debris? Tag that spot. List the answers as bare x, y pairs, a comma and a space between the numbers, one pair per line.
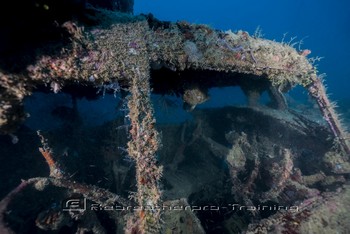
4, 203
251, 149
57, 179
182, 219
93, 193
337, 162
280, 174
322, 213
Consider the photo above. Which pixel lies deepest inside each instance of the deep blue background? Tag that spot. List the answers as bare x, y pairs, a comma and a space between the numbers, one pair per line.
325, 23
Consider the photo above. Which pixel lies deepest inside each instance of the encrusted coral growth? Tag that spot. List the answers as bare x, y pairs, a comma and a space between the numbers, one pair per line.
142, 147
317, 91
227, 51
96, 55
46, 152
13, 88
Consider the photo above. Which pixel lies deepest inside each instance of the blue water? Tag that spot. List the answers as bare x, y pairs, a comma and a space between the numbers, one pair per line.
324, 24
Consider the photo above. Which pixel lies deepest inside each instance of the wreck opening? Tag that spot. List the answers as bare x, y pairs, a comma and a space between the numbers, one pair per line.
194, 85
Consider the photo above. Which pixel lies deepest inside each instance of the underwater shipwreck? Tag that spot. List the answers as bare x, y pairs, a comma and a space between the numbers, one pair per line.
262, 167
